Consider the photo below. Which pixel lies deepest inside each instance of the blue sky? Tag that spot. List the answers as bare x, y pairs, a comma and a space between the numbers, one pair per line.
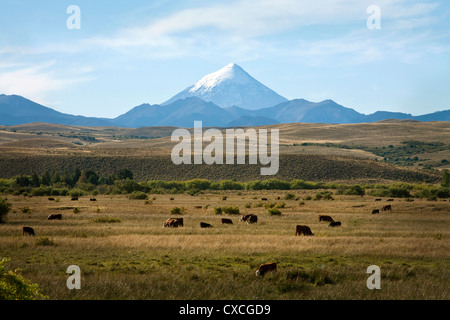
132, 52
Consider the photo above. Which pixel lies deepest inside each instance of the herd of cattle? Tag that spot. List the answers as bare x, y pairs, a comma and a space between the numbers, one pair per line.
248, 218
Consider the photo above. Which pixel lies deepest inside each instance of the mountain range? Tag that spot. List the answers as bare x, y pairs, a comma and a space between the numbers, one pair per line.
228, 97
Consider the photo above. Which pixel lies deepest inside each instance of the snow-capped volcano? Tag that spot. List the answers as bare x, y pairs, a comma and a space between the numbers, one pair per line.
231, 86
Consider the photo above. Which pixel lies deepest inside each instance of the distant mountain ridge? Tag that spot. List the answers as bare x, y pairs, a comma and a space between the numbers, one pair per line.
15, 110
227, 97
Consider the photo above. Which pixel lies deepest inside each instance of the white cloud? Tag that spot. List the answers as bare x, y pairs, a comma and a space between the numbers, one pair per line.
36, 82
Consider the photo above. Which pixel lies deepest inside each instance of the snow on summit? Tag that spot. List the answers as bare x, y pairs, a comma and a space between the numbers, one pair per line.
231, 72
231, 86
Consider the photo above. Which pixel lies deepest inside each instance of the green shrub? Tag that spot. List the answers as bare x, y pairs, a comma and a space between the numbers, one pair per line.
5, 207
274, 212
44, 241
76, 210
289, 196
25, 210
178, 210
14, 287
138, 195
106, 220
324, 195
218, 210
230, 210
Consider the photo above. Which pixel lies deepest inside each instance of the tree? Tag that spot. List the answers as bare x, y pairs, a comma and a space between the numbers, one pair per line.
5, 207
125, 174
445, 179
35, 181
46, 179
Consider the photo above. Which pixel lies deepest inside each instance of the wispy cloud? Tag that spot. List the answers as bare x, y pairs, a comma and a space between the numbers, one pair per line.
215, 28
37, 81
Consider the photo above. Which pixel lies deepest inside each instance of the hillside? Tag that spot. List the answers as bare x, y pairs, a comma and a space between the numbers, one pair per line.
315, 152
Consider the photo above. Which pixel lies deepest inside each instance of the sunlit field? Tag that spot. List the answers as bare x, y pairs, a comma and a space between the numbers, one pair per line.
124, 251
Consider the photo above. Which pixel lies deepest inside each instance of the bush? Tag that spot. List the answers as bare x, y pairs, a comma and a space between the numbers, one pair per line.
178, 210
5, 207
44, 241
138, 195
14, 287
324, 195
106, 220
274, 212
289, 196
351, 191
226, 210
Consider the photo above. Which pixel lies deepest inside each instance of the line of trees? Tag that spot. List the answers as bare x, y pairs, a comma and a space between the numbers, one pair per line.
79, 183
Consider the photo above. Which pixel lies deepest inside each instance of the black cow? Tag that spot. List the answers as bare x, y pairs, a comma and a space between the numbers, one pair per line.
28, 230
56, 216
205, 225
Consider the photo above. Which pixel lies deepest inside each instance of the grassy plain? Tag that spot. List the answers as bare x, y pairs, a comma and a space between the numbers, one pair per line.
136, 258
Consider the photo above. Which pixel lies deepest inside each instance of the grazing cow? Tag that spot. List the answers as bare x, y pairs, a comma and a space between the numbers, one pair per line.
335, 224
278, 198
390, 200
198, 207
250, 218
28, 230
264, 199
205, 225
175, 223
51, 199
305, 230
266, 267
387, 208
74, 199
227, 221
93, 199
325, 218
376, 211
172, 199
56, 216
377, 199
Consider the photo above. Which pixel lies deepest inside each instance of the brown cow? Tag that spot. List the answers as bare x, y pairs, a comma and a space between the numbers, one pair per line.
28, 230
266, 267
325, 218
74, 199
51, 199
56, 216
175, 223
335, 224
387, 208
376, 211
92, 199
264, 199
227, 221
305, 230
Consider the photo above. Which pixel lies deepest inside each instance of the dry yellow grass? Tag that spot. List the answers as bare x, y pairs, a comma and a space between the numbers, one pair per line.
137, 258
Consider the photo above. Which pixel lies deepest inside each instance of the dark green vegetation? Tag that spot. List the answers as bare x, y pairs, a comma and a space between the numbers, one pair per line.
404, 154
81, 183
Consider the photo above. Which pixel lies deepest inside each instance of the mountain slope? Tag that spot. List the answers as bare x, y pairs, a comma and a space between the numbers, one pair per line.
15, 110
181, 113
231, 86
